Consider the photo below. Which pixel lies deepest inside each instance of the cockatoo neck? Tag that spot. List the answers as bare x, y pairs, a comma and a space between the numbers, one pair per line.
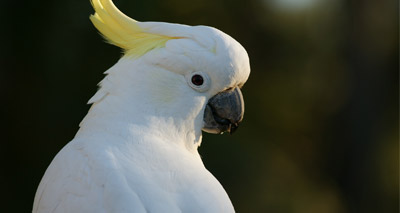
137, 97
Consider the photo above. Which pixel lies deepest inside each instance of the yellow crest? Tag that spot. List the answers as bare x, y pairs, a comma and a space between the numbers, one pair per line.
123, 31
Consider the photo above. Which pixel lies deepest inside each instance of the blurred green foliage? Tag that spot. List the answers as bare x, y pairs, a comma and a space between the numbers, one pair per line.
321, 126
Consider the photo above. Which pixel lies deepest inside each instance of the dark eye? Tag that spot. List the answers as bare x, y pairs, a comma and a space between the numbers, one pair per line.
197, 80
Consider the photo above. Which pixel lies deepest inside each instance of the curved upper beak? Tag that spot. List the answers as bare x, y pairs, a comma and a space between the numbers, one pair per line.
224, 112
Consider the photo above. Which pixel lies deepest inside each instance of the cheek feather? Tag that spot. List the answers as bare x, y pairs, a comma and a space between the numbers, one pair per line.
167, 87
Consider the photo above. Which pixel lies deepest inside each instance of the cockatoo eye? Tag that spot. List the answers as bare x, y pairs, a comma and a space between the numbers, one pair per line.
199, 81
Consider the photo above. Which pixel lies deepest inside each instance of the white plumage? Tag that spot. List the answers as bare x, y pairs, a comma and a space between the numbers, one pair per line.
136, 150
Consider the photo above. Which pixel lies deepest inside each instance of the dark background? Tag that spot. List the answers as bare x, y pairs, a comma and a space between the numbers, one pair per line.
321, 126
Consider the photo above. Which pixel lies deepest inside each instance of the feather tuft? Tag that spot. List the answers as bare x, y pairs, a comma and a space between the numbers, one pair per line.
124, 32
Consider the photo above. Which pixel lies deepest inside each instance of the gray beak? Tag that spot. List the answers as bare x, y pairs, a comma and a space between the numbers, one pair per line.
224, 112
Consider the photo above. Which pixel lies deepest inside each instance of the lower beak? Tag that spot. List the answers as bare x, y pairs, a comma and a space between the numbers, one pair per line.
224, 112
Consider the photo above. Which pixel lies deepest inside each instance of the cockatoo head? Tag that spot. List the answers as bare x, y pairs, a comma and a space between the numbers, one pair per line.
191, 73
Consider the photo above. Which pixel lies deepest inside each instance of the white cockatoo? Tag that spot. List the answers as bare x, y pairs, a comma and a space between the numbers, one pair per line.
136, 149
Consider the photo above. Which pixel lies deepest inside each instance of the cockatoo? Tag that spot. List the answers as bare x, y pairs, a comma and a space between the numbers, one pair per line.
136, 149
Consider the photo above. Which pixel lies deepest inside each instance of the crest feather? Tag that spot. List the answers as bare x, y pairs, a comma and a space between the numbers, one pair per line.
124, 32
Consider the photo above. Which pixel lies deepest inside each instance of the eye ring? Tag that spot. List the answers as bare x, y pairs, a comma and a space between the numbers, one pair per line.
199, 81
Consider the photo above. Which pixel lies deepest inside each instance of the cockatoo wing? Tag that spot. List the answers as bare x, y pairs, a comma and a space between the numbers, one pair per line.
78, 183
96, 177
